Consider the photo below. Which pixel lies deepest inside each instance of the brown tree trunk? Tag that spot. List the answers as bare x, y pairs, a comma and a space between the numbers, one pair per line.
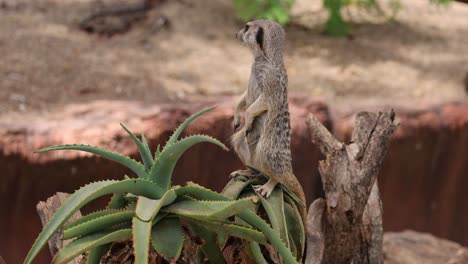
46, 210
346, 226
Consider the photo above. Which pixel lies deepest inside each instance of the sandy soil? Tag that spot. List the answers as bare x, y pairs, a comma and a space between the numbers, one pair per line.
47, 61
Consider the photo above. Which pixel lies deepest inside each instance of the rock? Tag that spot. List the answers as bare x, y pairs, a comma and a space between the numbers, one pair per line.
411, 247
29, 177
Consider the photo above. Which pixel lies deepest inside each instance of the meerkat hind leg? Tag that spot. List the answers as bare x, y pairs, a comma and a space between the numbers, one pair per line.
266, 189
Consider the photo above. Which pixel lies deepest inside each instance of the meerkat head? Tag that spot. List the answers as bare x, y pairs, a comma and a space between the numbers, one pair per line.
264, 37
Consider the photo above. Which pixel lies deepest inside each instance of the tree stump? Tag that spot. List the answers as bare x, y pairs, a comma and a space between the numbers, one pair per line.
46, 210
346, 226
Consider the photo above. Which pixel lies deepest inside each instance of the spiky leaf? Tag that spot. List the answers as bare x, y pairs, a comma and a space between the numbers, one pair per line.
147, 208
239, 231
199, 192
274, 207
119, 158
205, 210
98, 224
141, 240
175, 136
80, 245
85, 195
167, 238
210, 247
162, 172
295, 226
90, 217
142, 149
95, 254
234, 187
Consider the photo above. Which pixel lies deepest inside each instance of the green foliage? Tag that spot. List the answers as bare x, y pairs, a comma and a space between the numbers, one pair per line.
276, 10
281, 211
152, 212
338, 27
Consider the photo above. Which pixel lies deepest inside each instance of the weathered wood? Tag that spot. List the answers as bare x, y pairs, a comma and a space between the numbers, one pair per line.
346, 227
46, 210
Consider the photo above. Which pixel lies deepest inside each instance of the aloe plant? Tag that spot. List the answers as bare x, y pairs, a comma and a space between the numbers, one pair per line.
153, 213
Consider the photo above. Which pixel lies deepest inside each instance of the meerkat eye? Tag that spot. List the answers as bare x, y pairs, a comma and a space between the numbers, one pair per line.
246, 27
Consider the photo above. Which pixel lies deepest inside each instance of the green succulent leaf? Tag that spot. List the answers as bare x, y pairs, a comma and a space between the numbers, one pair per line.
235, 187
257, 254
239, 231
141, 240
133, 165
95, 254
175, 136
167, 238
143, 149
295, 226
274, 207
145, 144
85, 195
98, 224
156, 154
90, 217
117, 201
199, 192
209, 210
82, 244
254, 220
162, 172
210, 247
147, 209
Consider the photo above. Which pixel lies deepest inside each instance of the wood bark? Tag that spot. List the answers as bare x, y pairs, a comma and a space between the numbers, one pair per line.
46, 210
346, 226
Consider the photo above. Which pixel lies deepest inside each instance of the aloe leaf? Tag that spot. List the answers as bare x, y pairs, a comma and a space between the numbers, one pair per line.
98, 224
210, 210
95, 254
293, 248
80, 245
234, 187
210, 247
242, 232
295, 225
274, 207
254, 220
85, 195
257, 253
156, 154
141, 240
144, 151
250, 218
133, 165
162, 172
90, 216
145, 143
175, 136
147, 209
167, 238
199, 192
117, 201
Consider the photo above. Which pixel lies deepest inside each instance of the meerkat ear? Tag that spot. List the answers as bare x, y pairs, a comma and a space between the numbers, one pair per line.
259, 37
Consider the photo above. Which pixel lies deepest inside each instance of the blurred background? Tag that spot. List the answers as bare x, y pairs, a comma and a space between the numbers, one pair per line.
72, 70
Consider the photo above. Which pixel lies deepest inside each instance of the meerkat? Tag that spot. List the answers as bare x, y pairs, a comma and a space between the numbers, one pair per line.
263, 143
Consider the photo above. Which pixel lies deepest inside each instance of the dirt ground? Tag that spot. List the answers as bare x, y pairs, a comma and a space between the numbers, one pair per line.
47, 61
